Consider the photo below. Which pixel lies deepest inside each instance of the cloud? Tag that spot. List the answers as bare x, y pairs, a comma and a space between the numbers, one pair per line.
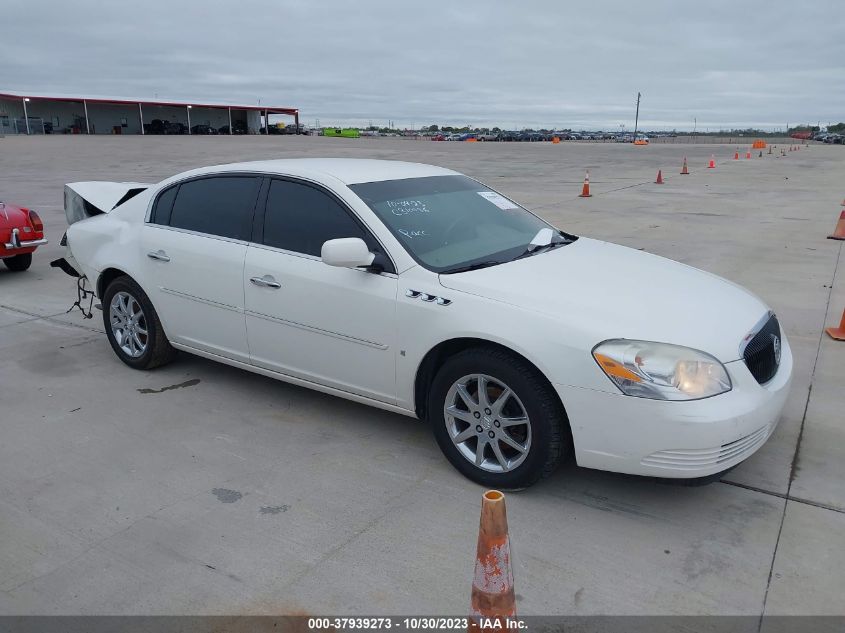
513, 64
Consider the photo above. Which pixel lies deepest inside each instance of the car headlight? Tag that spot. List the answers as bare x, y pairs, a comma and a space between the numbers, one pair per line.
661, 371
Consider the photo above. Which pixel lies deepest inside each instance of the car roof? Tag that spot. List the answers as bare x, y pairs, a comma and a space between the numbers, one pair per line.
347, 170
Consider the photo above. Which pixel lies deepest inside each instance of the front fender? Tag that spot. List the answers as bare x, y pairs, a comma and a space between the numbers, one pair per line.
562, 356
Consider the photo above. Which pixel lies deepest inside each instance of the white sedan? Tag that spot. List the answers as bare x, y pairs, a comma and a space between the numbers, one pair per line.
419, 290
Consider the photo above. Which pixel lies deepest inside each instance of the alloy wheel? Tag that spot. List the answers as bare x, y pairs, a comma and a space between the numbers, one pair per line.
128, 324
487, 423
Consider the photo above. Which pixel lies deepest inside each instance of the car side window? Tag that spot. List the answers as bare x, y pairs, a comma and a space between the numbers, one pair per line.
164, 205
221, 205
300, 218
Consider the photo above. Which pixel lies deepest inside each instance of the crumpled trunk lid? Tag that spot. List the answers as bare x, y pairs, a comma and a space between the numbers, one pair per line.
87, 199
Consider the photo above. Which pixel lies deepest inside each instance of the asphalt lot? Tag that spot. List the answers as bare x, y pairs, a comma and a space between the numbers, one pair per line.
202, 489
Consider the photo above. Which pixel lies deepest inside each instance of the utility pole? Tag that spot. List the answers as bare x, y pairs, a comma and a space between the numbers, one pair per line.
637, 117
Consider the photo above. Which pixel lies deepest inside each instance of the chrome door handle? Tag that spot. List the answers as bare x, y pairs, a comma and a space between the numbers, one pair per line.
266, 281
159, 255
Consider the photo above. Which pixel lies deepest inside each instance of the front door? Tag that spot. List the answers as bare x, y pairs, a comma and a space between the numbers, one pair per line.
333, 326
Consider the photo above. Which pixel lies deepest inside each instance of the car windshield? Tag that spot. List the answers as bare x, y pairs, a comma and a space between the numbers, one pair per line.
451, 223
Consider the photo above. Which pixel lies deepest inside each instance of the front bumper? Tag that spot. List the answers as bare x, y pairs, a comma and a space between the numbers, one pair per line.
658, 438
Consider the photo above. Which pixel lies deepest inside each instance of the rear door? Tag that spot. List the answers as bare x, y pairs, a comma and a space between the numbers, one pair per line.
194, 245
334, 326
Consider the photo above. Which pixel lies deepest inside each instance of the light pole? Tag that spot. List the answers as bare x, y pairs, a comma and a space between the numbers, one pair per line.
25, 114
637, 116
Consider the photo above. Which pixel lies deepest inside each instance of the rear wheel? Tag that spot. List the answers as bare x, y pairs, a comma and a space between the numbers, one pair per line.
18, 263
132, 326
497, 419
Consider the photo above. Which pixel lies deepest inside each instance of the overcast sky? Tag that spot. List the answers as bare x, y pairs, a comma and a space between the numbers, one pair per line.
484, 62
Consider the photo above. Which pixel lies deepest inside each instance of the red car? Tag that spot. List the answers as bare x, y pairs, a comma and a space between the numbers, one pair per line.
21, 232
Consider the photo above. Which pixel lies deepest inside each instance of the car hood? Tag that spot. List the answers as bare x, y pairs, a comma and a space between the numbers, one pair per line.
600, 291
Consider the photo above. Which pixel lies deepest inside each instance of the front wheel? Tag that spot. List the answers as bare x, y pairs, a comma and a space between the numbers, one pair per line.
132, 326
497, 419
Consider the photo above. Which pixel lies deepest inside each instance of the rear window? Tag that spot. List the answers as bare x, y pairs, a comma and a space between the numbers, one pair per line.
221, 206
164, 205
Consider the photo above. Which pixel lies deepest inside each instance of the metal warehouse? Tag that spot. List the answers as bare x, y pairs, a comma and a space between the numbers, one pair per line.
24, 113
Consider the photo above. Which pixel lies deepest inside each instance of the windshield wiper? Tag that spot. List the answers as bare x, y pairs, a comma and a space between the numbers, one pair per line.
537, 245
475, 266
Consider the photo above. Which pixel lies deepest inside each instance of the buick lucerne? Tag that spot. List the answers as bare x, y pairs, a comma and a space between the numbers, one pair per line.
419, 290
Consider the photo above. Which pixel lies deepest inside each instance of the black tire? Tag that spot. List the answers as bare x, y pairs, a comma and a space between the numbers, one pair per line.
18, 263
550, 436
158, 350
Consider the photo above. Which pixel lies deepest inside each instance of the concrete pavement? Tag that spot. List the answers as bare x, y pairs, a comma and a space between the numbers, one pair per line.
202, 489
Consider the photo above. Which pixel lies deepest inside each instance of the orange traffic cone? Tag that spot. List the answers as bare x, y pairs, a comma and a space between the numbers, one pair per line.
685, 171
712, 164
838, 333
747, 154
585, 190
736, 154
839, 231
493, 597
659, 180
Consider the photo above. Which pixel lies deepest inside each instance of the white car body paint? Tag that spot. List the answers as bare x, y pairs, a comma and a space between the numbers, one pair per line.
358, 335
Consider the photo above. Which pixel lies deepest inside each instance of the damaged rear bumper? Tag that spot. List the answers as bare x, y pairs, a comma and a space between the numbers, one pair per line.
64, 265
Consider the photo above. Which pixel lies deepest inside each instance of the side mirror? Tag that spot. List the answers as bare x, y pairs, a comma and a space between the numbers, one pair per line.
346, 252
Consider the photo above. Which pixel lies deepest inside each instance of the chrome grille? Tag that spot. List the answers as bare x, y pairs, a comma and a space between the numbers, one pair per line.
762, 352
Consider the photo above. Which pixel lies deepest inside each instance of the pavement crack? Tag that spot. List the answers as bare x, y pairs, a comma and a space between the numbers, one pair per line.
50, 318
781, 495
787, 497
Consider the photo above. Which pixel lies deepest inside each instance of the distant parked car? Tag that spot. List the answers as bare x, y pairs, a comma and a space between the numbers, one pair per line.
238, 127
21, 232
156, 126
531, 136
490, 136
174, 127
438, 137
201, 128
